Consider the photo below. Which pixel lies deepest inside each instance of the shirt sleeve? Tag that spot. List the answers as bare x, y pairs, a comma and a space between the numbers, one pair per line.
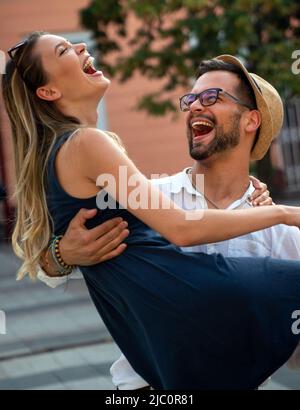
285, 242
54, 282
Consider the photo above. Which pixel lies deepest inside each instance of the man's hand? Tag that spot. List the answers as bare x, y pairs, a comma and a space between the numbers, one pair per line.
85, 247
261, 195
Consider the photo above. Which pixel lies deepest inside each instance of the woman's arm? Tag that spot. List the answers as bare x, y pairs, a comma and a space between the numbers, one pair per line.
97, 154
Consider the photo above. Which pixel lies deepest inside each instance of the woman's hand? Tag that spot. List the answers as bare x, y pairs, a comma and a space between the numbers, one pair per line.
261, 195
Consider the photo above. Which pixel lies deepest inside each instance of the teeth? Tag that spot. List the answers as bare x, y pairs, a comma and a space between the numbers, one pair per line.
198, 123
88, 63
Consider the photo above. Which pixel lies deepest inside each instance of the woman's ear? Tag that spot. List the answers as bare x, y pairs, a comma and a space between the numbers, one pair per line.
253, 121
48, 94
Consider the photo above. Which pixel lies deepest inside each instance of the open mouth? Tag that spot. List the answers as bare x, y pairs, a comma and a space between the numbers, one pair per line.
88, 67
201, 128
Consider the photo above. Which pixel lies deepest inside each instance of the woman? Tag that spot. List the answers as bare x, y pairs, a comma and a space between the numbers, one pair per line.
233, 318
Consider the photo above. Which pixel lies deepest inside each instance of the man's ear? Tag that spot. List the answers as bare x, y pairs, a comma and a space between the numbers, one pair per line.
253, 121
48, 93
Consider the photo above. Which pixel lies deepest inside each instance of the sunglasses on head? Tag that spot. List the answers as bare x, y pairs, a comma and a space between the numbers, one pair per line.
12, 54
13, 50
207, 97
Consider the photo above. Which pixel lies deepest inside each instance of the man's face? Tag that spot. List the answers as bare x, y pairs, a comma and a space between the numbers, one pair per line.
223, 117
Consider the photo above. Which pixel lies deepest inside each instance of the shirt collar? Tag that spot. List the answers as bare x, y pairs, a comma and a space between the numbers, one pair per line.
181, 181
244, 198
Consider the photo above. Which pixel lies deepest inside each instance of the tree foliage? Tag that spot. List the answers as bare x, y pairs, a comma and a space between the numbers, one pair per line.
174, 35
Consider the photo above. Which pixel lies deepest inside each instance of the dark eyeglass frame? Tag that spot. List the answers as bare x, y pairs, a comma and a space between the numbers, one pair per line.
11, 53
218, 91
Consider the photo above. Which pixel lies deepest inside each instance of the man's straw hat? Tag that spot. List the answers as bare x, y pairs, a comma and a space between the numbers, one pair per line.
269, 104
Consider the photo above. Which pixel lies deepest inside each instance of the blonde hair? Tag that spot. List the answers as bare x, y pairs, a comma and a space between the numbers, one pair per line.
36, 125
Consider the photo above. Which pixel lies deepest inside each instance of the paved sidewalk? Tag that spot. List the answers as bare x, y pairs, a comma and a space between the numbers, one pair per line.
55, 338
56, 341
81, 368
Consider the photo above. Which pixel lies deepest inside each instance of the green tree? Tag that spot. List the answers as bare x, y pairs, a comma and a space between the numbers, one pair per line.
174, 35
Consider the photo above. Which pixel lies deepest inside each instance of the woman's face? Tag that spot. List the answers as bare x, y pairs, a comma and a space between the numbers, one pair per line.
70, 72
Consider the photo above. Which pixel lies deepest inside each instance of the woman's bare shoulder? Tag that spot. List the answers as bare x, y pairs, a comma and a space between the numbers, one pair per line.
87, 141
87, 135
96, 151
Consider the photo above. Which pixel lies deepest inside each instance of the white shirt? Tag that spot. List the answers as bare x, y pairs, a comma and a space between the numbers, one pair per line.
280, 242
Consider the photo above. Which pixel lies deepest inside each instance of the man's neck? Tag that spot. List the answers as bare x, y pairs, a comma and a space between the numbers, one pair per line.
226, 179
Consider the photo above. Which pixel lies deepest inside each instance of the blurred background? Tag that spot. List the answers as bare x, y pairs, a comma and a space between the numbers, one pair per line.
151, 50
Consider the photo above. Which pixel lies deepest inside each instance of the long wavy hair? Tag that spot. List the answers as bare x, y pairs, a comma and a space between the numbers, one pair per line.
36, 124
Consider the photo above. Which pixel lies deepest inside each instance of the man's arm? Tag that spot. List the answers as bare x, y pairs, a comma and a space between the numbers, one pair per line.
85, 247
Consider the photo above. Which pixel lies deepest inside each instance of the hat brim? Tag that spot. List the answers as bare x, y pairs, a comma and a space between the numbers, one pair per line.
265, 132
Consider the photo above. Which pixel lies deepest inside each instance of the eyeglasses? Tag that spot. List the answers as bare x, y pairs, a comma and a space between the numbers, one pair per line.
12, 51
207, 97
12, 54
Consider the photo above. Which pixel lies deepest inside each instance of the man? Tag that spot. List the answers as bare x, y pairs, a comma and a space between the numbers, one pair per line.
229, 122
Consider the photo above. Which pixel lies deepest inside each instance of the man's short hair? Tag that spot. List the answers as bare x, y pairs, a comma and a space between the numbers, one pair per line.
244, 92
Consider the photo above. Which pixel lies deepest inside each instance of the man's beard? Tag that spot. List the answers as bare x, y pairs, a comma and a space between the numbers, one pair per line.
222, 141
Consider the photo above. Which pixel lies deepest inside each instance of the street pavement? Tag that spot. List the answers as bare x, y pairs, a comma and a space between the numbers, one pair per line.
55, 339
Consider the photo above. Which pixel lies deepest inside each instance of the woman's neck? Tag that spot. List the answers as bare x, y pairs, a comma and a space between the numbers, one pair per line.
86, 113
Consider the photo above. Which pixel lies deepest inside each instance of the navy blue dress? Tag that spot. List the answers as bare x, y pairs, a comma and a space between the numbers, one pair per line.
187, 321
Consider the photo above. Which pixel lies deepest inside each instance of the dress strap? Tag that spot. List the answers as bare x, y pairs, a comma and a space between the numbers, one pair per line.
56, 147
63, 138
